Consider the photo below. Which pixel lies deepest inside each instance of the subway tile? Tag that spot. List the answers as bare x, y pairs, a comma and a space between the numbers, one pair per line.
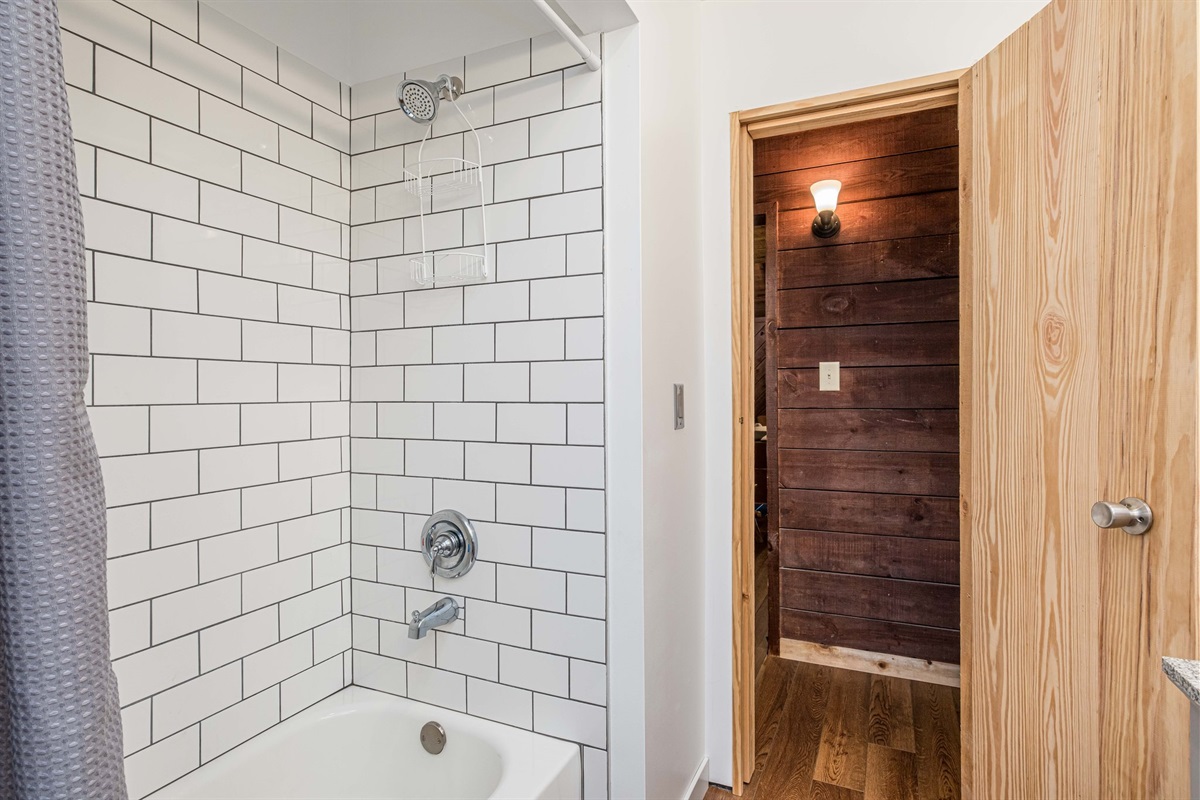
307, 611
129, 629
333, 637
476, 499
196, 336
362, 349
184, 59
270, 584
131, 380
504, 383
77, 55
551, 52
311, 157
467, 656
302, 306
235, 467
118, 330
231, 296
116, 229
181, 150
237, 382
507, 142
134, 282
404, 346
178, 15
186, 519
463, 421
394, 643
585, 596
332, 491
179, 242
135, 726
567, 719
566, 213
377, 312
226, 730
530, 341
138, 478
509, 544
308, 81
433, 307
433, 383
192, 609
309, 687
106, 124
567, 382
395, 493
228, 123
535, 423
530, 505
313, 382
222, 34
331, 346
380, 673
530, 669
330, 419
362, 135
529, 97
585, 253
119, 430
331, 128
569, 636
498, 623
585, 509
269, 341
585, 338
229, 641
134, 183
331, 202
589, 681
273, 502
331, 274
580, 86
237, 552
531, 258
138, 577
279, 184
310, 232
531, 588
581, 296
108, 23
463, 343
433, 459
128, 530
402, 568
381, 528
571, 129
406, 420
440, 231
500, 703
366, 633
155, 93
241, 213
496, 302
279, 263
378, 600
476, 106
162, 762
532, 177
376, 240
437, 687
150, 671
581, 467
85, 168
571, 551
500, 463
309, 534
274, 422
192, 427
505, 222
186, 704
377, 383
583, 169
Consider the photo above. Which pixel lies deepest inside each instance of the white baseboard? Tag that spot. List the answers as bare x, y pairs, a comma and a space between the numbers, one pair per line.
699, 784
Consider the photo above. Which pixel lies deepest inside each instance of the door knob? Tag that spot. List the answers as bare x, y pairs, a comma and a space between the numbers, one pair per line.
1131, 515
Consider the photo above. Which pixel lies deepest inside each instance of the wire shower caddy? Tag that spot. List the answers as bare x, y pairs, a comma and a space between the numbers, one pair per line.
441, 177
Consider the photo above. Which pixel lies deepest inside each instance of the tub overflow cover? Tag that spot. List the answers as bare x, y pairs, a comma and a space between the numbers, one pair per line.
433, 738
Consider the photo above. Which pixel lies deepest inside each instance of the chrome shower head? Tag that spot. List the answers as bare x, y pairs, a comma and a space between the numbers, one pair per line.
419, 99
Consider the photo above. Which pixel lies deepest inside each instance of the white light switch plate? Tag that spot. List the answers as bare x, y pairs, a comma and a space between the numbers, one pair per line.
831, 376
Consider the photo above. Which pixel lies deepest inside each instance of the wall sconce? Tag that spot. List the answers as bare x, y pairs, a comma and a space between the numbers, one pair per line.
825, 194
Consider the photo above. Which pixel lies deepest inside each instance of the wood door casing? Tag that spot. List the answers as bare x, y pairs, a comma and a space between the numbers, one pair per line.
859, 559
1079, 384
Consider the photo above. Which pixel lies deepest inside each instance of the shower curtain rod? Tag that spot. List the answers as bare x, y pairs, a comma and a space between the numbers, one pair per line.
589, 58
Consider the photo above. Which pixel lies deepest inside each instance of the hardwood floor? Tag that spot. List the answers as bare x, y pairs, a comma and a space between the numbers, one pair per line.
833, 734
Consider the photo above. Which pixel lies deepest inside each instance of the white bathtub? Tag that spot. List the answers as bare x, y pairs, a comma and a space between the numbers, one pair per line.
365, 745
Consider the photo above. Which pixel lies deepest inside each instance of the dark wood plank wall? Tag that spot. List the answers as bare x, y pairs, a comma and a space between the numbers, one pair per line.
864, 518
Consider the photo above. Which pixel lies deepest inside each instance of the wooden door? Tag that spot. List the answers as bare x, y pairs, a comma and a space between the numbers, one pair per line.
1079, 384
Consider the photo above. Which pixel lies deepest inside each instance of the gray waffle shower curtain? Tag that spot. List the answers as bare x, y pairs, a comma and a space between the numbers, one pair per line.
60, 729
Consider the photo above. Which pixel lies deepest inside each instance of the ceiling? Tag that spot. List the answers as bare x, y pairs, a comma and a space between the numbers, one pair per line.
359, 40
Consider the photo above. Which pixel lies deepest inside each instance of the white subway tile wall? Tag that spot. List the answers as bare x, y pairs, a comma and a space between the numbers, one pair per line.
220, 333
485, 398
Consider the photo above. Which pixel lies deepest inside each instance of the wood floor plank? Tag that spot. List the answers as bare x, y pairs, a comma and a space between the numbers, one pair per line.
789, 768
842, 756
891, 774
890, 722
828, 791
936, 724
771, 693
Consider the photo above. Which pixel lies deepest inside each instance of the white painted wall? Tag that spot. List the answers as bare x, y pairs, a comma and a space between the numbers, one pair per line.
746, 53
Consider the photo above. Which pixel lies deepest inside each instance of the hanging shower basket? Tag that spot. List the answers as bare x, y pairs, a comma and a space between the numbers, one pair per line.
441, 177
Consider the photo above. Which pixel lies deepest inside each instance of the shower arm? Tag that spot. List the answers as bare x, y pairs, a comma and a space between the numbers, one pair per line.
591, 59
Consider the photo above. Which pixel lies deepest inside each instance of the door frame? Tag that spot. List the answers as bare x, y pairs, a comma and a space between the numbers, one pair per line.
901, 97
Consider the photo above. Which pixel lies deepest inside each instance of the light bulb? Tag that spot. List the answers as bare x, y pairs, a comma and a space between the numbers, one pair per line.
825, 194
